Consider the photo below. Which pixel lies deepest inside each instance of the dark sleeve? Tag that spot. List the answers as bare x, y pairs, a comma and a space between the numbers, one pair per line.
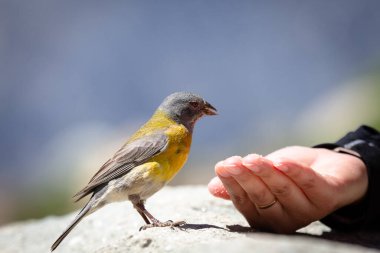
365, 143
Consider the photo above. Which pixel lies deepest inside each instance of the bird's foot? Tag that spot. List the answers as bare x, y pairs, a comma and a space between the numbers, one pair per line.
168, 223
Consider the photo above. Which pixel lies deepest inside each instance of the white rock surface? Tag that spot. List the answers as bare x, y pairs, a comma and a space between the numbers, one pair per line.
213, 225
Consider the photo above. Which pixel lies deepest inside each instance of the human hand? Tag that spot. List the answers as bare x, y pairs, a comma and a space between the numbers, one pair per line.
308, 184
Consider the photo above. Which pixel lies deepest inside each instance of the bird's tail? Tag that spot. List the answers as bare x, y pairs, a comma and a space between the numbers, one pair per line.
77, 219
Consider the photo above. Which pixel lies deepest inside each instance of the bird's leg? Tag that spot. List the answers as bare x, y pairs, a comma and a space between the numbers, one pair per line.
137, 203
154, 222
143, 216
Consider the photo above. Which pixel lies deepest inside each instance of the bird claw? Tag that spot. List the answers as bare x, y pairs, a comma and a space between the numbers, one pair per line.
168, 223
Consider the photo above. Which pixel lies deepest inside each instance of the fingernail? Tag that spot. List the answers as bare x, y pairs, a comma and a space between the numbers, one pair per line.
233, 160
218, 164
220, 171
278, 164
251, 158
223, 172
282, 167
252, 162
232, 165
233, 169
253, 167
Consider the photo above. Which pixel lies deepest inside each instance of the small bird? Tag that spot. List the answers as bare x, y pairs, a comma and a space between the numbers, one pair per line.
147, 161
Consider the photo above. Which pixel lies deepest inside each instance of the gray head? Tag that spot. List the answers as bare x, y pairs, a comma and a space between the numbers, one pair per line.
186, 108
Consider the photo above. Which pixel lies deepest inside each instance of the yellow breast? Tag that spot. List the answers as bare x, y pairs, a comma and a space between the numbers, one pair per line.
175, 155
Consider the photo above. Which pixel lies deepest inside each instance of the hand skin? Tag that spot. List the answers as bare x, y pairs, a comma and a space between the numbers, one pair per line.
309, 183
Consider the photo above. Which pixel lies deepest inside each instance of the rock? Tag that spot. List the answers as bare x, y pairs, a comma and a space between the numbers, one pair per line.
213, 225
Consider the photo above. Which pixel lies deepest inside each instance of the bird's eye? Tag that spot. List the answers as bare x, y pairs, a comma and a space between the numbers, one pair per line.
194, 104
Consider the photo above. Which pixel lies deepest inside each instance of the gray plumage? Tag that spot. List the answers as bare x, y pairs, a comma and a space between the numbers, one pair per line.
177, 107
129, 156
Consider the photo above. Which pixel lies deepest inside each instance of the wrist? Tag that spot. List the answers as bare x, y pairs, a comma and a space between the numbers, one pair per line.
346, 173
360, 211
356, 184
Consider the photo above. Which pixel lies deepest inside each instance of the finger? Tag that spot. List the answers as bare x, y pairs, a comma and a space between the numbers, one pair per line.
269, 215
282, 187
310, 182
237, 194
256, 190
217, 189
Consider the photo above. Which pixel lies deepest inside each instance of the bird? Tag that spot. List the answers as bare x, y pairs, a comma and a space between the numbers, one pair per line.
149, 159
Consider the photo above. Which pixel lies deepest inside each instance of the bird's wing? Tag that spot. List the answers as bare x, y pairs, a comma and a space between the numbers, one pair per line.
129, 156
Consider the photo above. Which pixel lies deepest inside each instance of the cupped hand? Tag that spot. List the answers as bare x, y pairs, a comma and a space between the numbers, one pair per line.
291, 187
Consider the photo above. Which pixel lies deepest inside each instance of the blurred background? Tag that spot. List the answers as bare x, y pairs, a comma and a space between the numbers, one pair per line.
78, 77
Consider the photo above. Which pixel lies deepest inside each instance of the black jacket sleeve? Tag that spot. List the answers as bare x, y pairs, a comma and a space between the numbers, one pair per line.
365, 142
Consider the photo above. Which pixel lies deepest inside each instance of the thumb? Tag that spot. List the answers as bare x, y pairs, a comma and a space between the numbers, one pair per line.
216, 188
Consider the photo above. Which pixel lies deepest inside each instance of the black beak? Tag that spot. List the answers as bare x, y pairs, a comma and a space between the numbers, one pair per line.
209, 109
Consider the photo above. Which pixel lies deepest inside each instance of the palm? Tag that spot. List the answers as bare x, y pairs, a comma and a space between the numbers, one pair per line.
340, 173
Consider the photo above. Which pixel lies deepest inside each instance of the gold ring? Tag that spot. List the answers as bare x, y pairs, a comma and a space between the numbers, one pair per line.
267, 205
